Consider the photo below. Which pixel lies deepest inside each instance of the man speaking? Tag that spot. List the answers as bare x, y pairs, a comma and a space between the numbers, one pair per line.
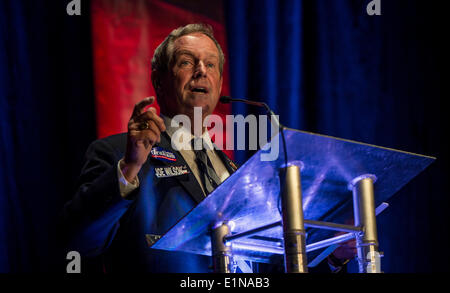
136, 185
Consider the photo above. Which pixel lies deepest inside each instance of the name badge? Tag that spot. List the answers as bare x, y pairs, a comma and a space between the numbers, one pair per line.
162, 154
170, 171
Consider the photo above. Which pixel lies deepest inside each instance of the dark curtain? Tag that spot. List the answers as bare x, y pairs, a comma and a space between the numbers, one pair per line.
46, 123
324, 66
327, 67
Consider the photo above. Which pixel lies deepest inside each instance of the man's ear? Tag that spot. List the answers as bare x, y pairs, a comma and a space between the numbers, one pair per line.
221, 82
156, 81
158, 84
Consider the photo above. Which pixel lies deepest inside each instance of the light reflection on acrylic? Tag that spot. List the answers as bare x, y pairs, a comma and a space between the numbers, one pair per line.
250, 196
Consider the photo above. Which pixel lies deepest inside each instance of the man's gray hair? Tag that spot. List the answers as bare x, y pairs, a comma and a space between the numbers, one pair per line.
162, 59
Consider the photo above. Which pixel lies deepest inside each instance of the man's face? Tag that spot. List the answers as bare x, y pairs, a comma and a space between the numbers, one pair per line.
194, 78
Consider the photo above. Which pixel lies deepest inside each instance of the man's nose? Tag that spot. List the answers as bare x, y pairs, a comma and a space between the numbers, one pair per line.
200, 70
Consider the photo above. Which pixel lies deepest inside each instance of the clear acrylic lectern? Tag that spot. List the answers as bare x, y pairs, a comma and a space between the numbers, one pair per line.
266, 209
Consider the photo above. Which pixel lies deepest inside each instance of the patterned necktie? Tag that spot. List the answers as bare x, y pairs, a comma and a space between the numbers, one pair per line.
208, 176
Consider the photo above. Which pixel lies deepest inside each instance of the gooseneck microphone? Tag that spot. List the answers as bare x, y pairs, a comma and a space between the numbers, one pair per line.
273, 117
227, 100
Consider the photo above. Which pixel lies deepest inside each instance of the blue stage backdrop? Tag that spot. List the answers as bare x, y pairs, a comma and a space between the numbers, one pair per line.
327, 67
324, 66
46, 123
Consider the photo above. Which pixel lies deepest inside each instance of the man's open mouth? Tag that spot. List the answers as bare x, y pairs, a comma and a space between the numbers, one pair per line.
199, 90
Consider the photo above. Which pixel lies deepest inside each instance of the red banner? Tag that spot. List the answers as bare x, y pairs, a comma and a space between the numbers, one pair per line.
125, 35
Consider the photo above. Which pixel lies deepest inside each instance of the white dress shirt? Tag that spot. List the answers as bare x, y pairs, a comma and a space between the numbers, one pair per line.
187, 153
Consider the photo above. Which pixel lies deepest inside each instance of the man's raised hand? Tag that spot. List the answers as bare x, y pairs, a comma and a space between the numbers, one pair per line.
144, 130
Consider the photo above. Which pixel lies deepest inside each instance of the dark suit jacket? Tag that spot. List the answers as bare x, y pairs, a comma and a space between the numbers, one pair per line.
99, 222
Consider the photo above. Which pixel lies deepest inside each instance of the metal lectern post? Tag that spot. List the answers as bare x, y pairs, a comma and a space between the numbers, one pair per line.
221, 253
293, 222
364, 213
251, 196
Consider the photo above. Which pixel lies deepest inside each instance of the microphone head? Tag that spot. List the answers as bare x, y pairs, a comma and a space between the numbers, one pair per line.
225, 99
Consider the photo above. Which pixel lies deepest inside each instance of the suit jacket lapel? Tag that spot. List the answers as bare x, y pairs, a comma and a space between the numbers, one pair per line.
229, 164
189, 182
